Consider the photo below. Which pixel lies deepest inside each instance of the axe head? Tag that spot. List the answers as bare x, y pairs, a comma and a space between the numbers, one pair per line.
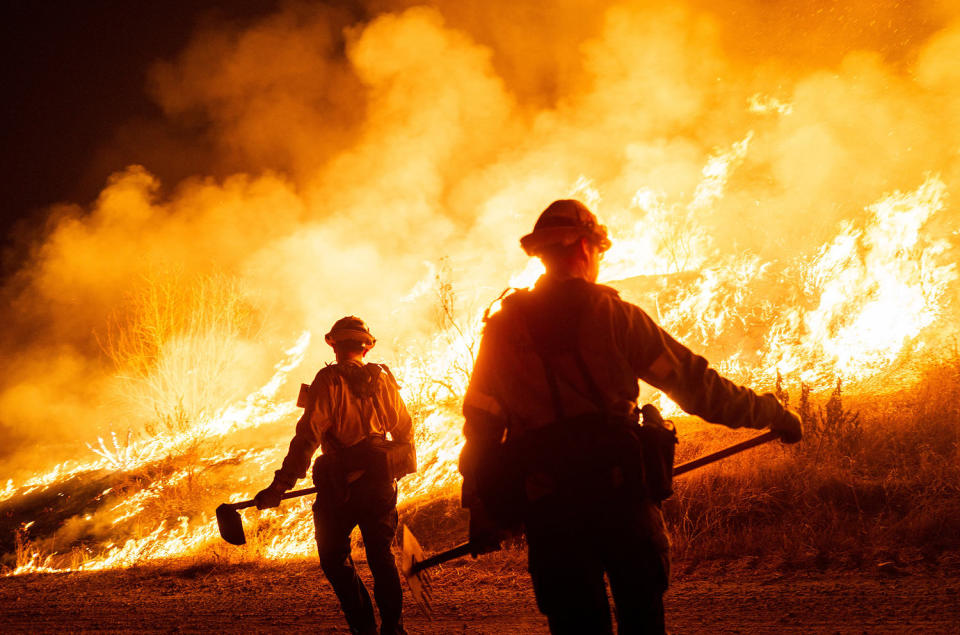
419, 582
230, 524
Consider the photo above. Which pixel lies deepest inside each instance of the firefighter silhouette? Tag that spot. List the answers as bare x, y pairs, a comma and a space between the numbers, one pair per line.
350, 408
551, 420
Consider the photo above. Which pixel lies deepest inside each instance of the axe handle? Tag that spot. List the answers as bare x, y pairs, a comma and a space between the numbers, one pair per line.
443, 556
724, 453
293, 494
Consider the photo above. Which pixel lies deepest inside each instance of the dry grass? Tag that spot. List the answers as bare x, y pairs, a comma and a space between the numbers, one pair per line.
874, 480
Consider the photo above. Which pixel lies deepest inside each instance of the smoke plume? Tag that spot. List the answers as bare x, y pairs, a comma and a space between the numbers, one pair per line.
351, 152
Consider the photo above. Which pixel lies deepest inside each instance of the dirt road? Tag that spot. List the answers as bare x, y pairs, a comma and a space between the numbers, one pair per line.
491, 597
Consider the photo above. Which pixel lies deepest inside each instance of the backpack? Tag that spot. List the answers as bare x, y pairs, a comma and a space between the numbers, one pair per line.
383, 458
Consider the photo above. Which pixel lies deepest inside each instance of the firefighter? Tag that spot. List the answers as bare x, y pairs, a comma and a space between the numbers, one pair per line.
349, 409
551, 432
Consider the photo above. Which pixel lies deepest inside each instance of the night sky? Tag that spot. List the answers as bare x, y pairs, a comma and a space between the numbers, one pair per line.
73, 75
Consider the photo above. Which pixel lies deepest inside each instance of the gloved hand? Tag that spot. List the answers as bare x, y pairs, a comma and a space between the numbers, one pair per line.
485, 536
268, 497
788, 426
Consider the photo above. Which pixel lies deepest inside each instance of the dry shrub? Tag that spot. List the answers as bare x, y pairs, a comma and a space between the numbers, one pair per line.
174, 345
439, 372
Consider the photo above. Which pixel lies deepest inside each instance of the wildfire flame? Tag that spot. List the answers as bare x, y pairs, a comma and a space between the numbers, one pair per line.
876, 285
872, 290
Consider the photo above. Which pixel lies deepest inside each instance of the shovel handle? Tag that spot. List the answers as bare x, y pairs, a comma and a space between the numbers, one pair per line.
293, 494
440, 558
724, 453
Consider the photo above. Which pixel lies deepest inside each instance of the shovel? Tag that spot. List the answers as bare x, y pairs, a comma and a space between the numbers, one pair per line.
230, 524
415, 565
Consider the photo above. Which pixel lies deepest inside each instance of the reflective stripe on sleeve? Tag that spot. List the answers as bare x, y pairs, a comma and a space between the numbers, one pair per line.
662, 366
483, 402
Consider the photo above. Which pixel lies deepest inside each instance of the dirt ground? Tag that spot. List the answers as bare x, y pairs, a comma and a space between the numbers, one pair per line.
489, 596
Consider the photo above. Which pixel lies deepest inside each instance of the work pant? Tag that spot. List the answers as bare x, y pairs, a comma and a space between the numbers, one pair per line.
569, 555
371, 504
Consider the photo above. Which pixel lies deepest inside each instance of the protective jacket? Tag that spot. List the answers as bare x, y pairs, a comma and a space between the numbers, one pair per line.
337, 417
514, 390
552, 440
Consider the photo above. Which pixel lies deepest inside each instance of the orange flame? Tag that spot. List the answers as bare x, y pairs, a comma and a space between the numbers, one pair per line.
766, 254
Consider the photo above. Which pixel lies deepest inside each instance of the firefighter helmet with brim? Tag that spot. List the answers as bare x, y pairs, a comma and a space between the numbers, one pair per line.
350, 328
562, 223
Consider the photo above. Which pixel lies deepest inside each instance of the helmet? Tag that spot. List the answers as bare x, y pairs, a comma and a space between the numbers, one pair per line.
562, 223
350, 328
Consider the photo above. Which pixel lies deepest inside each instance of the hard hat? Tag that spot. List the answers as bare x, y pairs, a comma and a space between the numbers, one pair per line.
350, 328
562, 223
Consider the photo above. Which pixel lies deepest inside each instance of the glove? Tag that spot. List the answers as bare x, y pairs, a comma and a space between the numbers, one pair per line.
788, 426
485, 536
269, 497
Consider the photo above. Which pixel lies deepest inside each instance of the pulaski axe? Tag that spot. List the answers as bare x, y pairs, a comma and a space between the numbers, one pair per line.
415, 565
230, 524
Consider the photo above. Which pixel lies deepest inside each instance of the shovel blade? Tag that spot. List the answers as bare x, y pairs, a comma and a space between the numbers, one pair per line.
418, 583
230, 524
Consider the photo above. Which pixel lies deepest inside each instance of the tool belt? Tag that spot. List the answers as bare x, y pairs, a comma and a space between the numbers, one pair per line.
375, 456
575, 463
396, 458
578, 462
658, 444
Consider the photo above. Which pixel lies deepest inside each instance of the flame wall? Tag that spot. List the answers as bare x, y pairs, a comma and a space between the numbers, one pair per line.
347, 157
